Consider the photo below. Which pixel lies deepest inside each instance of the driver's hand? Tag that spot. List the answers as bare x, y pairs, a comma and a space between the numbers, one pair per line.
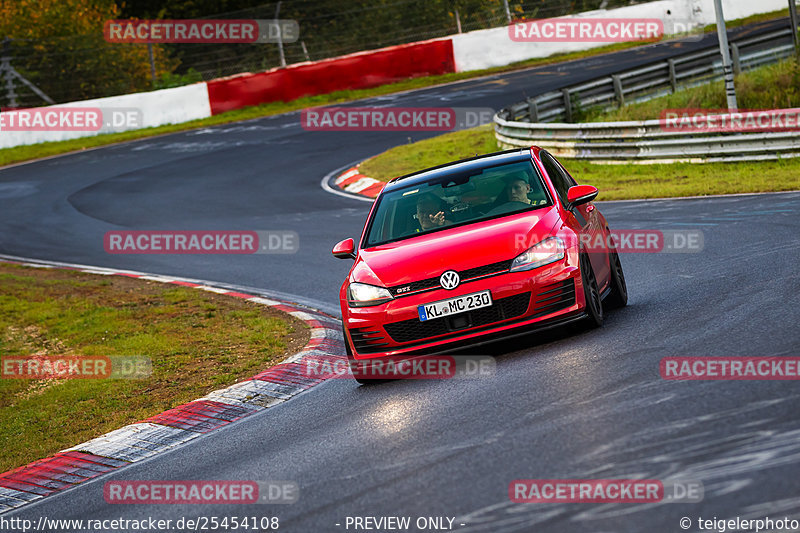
437, 219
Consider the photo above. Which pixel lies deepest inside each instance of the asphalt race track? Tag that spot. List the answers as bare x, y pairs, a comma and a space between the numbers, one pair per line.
566, 404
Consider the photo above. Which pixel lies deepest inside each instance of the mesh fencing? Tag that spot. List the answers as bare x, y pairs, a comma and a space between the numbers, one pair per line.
81, 67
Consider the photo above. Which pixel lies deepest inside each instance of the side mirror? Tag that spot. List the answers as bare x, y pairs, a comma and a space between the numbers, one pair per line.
345, 249
580, 194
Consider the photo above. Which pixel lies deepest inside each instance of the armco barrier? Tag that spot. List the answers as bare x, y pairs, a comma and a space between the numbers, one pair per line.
355, 71
526, 123
645, 142
482, 49
651, 80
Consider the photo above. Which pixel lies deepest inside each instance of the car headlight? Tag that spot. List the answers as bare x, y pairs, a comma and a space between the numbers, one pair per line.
548, 251
363, 295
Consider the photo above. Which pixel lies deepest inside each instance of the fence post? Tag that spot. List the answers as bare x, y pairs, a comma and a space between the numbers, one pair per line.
737, 64
567, 105
280, 34
533, 110
673, 78
618, 93
5, 67
727, 68
152, 63
793, 20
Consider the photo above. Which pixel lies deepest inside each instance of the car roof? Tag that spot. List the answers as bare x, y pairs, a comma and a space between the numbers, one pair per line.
473, 163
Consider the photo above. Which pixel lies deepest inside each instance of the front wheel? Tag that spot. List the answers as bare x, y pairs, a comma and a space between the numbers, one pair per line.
594, 307
619, 290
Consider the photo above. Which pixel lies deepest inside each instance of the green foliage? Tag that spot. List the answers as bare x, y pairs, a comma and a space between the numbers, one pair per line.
59, 46
770, 87
168, 79
331, 28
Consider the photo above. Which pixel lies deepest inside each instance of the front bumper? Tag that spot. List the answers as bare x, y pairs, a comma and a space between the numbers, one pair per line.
521, 301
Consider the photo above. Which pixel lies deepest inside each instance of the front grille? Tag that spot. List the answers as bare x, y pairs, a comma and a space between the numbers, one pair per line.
465, 275
554, 297
502, 309
366, 340
414, 286
484, 270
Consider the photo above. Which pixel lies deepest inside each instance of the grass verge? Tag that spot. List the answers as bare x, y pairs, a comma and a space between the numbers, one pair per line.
20, 154
769, 87
197, 342
616, 182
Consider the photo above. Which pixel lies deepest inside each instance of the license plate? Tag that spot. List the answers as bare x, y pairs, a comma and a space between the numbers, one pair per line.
452, 306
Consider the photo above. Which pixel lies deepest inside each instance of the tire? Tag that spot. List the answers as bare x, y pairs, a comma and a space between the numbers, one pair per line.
594, 307
350, 360
619, 290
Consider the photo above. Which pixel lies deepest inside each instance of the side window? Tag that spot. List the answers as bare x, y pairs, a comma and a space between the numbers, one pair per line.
566, 174
560, 180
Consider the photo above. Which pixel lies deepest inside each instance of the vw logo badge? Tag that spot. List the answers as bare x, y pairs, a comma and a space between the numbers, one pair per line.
449, 280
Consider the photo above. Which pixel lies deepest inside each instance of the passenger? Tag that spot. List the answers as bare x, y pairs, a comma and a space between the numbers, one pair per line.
517, 190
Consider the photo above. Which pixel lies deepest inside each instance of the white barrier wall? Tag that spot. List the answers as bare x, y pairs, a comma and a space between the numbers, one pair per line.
482, 49
132, 111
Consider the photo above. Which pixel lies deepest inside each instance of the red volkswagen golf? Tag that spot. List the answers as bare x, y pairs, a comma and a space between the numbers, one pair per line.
472, 251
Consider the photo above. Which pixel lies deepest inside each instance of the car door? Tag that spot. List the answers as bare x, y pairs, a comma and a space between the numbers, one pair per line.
586, 218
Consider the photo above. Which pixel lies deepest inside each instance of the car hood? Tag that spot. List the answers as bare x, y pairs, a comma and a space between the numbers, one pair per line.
457, 248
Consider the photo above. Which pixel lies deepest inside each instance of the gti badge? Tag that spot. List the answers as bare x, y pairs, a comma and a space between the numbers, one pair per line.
449, 280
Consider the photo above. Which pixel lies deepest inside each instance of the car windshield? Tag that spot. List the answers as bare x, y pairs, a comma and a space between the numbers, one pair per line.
455, 200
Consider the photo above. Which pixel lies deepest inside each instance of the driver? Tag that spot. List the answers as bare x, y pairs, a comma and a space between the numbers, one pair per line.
430, 212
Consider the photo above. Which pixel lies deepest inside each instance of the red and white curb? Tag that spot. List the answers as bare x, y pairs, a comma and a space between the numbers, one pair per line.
352, 181
176, 426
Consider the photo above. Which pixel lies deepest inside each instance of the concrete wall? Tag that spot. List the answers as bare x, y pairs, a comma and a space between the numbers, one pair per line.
155, 108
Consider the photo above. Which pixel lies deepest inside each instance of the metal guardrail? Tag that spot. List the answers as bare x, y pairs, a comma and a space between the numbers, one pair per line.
653, 80
646, 142
529, 122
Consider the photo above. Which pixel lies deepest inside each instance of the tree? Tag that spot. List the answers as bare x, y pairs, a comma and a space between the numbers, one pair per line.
59, 46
